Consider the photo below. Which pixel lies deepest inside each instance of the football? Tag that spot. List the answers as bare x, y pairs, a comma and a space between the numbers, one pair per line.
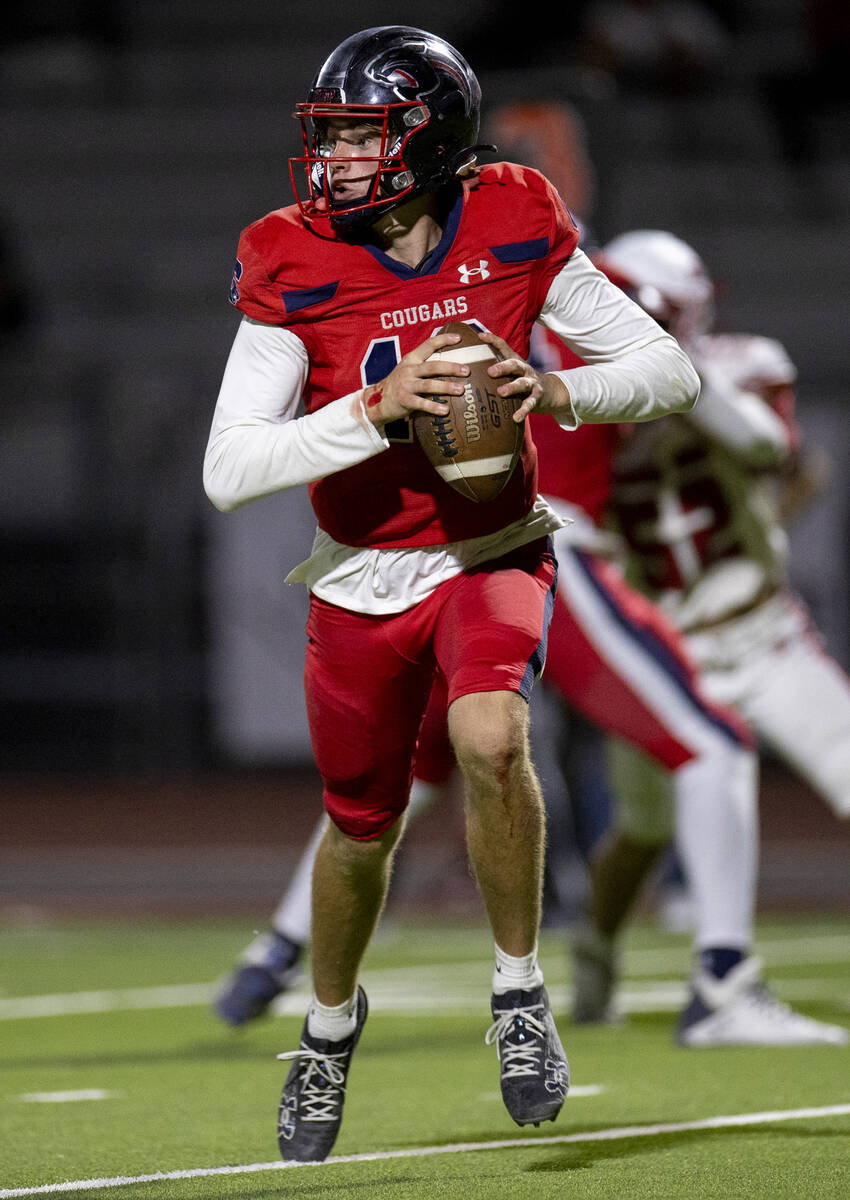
477, 444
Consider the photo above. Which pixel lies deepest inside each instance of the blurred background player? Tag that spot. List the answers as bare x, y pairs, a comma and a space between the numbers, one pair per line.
618, 660
551, 136
700, 503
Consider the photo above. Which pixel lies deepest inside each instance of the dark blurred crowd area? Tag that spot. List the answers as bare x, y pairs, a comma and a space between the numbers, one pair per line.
137, 140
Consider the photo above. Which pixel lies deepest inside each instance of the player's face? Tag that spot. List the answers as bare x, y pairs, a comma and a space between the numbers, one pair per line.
346, 144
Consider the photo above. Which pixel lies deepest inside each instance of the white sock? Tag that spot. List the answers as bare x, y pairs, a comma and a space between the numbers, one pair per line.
332, 1022
516, 973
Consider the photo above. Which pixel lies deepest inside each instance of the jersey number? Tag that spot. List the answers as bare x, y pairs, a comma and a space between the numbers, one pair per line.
380, 358
383, 355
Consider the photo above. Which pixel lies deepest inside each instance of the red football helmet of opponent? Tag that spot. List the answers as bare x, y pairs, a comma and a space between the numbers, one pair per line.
665, 276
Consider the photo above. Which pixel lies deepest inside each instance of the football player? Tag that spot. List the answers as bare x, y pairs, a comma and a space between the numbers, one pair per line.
395, 230
699, 503
703, 507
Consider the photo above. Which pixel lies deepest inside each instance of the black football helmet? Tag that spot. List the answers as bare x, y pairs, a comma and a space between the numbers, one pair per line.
423, 96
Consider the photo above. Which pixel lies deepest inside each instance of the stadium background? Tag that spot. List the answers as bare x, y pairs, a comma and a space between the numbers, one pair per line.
154, 749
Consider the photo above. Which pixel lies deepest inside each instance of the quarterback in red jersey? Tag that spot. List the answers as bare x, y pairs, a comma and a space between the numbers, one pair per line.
394, 230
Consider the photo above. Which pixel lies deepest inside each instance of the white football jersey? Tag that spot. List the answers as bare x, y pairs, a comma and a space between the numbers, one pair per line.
695, 496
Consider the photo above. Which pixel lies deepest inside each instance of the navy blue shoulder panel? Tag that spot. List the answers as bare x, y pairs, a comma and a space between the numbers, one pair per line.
513, 252
306, 297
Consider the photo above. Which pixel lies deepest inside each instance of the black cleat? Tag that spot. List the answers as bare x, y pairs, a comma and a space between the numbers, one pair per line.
310, 1111
535, 1074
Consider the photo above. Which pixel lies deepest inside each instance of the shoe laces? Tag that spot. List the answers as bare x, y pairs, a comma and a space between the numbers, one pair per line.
518, 1058
322, 1083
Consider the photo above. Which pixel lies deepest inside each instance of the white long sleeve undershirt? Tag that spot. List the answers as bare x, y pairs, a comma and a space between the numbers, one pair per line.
258, 444
634, 370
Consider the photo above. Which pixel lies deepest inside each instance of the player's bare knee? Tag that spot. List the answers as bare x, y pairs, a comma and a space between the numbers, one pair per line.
356, 855
489, 767
489, 733
482, 718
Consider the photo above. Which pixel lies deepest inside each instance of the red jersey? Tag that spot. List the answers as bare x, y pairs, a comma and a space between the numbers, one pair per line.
357, 311
574, 465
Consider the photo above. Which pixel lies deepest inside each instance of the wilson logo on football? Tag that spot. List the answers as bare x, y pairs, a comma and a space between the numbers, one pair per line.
475, 446
466, 273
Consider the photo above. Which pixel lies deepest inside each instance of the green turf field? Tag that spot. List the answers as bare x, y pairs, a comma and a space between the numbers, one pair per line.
114, 1070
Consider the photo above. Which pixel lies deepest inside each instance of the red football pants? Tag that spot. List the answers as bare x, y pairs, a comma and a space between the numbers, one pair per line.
367, 678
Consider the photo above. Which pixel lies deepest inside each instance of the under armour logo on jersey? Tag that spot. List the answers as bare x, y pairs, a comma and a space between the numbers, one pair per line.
466, 272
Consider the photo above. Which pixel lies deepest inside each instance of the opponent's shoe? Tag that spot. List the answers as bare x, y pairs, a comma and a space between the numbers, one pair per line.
534, 1072
596, 971
738, 1010
268, 967
310, 1110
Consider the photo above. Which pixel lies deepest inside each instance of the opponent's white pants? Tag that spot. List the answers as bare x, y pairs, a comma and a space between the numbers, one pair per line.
771, 666
618, 660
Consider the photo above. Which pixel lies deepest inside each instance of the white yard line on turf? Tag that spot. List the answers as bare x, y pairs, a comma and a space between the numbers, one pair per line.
598, 1135
66, 1097
63, 1004
420, 993
411, 988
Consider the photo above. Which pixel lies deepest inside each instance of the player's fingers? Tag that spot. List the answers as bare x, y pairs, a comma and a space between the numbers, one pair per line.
437, 387
501, 345
440, 366
422, 404
509, 366
422, 379
521, 384
438, 342
528, 389
528, 406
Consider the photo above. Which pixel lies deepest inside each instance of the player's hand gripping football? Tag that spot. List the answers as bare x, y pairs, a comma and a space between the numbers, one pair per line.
415, 384
543, 393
